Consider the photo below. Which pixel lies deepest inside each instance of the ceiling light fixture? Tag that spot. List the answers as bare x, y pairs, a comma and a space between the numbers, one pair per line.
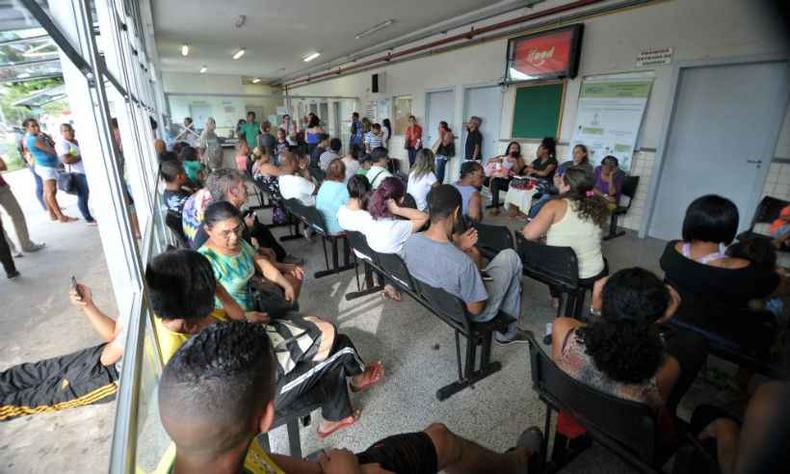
256, 80
310, 56
184, 49
374, 28
238, 54
203, 69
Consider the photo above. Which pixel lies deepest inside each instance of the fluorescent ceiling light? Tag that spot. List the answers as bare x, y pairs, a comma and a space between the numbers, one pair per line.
238, 54
184, 49
374, 28
310, 56
203, 69
256, 80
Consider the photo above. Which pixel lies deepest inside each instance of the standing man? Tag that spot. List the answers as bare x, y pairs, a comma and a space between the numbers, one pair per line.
356, 133
11, 206
265, 139
474, 139
250, 130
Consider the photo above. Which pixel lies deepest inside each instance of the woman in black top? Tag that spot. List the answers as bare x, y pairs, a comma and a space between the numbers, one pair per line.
715, 288
545, 164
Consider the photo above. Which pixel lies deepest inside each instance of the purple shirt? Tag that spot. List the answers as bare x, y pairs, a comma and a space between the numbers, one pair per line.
602, 184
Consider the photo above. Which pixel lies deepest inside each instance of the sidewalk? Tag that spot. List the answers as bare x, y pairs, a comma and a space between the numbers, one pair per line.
37, 322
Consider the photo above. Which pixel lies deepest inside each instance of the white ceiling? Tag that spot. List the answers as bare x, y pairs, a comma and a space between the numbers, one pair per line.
278, 33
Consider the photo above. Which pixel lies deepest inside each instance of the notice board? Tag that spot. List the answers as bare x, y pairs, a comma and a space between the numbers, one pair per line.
537, 111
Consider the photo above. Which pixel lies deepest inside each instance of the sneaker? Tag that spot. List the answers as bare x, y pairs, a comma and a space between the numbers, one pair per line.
35, 248
17, 254
519, 337
293, 260
13, 275
485, 276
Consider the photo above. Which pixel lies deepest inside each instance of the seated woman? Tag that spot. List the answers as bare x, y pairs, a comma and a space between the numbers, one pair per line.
574, 220
716, 289
332, 195
542, 169
469, 186
391, 224
351, 161
422, 178
242, 158
609, 180
501, 170
294, 180
235, 263
544, 166
580, 159
621, 351
354, 215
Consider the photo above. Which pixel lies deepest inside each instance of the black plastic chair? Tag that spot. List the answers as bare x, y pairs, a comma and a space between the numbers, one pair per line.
452, 311
629, 190
291, 417
295, 210
362, 252
556, 267
313, 219
492, 239
627, 428
767, 211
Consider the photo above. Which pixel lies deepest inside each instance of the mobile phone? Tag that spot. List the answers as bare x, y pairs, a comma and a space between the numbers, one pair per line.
74, 286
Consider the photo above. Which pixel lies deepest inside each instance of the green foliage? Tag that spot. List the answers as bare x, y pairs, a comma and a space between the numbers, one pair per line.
19, 90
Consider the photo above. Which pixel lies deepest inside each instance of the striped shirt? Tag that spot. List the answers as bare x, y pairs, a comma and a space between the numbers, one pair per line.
374, 141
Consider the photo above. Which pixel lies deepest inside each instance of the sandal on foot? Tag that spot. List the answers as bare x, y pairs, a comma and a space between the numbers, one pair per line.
377, 374
344, 423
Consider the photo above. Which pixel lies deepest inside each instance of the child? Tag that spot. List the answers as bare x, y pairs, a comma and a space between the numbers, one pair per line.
242, 156
761, 253
780, 228
364, 164
175, 195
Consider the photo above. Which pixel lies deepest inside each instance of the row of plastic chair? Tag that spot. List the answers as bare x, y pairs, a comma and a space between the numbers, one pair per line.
443, 305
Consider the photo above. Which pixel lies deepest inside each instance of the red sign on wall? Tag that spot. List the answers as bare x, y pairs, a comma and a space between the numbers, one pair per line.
548, 55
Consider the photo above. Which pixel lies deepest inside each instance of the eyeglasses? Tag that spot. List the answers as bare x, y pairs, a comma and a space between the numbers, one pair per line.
237, 231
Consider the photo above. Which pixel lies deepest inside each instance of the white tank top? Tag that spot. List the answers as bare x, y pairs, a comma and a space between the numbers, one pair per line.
583, 236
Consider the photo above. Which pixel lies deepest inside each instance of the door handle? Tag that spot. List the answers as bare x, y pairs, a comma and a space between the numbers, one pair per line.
755, 162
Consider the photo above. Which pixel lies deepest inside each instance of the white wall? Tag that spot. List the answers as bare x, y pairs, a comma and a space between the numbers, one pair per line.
227, 108
696, 29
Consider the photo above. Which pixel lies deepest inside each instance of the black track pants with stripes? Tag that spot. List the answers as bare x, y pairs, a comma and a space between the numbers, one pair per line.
55, 384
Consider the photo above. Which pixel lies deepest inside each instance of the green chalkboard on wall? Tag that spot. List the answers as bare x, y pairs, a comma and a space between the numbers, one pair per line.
537, 111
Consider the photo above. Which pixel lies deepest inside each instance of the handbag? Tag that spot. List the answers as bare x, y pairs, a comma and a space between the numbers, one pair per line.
269, 298
66, 180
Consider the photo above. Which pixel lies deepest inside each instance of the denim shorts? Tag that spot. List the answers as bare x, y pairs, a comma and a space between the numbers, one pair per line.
47, 172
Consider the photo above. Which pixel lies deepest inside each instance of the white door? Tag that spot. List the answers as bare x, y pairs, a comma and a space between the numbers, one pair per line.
486, 103
438, 106
721, 138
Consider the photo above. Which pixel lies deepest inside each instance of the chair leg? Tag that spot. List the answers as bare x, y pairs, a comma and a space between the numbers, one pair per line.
613, 232
370, 285
458, 356
546, 434
335, 268
468, 376
294, 440
294, 231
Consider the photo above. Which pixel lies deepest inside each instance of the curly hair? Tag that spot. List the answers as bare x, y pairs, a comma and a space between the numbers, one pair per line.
390, 188
624, 343
589, 205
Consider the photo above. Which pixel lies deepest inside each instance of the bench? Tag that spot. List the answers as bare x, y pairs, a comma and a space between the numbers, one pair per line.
628, 429
557, 267
313, 219
446, 307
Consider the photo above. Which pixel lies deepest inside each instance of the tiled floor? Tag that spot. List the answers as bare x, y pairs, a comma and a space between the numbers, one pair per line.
417, 350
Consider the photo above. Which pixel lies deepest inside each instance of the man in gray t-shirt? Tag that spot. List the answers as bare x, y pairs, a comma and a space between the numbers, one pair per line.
434, 259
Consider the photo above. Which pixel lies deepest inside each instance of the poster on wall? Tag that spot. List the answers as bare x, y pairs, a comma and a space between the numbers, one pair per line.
609, 115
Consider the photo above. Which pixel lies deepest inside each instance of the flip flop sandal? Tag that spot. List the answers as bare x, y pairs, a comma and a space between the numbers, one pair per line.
346, 422
371, 381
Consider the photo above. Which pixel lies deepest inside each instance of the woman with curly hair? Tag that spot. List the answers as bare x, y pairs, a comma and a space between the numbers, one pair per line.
621, 351
574, 220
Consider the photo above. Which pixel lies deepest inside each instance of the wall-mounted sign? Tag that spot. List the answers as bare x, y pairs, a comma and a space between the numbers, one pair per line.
654, 57
548, 55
